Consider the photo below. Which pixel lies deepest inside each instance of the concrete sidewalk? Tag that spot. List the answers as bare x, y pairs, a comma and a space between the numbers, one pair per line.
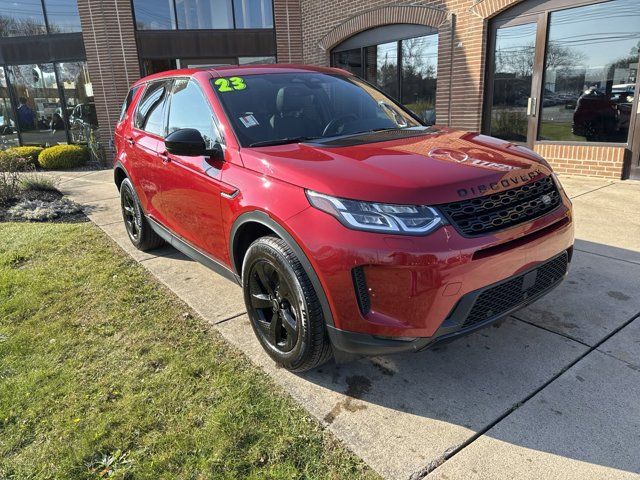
551, 392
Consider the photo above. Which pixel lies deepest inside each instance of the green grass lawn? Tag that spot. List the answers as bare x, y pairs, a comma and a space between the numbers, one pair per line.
105, 373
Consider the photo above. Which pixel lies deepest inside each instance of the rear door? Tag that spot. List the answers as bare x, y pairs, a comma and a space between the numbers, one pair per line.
190, 187
145, 139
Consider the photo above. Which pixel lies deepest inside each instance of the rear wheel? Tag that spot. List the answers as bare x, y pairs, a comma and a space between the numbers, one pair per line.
283, 306
140, 232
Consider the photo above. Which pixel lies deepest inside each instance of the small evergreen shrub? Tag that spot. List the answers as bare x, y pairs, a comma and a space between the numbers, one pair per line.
62, 156
29, 153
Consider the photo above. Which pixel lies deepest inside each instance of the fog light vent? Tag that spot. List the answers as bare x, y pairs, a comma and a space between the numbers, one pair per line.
362, 293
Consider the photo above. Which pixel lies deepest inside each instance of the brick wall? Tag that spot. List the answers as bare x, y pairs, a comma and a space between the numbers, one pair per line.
112, 58
288, 25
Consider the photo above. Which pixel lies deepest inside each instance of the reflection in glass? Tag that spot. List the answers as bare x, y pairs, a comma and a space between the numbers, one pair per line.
253, 13
156, 65
590, 72
255, 60
39, 113
513, 69
62, 16
154, 14
8, 132
204, 14
189, 109
349, 60
24, 18
78, 94
385, 75
419, 72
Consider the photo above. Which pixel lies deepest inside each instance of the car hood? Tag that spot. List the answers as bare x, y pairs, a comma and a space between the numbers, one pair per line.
442, 165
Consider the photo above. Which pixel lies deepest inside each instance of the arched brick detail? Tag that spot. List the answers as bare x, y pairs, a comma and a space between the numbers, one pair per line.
489, 8
433, 17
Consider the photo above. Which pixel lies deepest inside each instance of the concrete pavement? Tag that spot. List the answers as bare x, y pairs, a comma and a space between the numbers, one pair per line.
551, 392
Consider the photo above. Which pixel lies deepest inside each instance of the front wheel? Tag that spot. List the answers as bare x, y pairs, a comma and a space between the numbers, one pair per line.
283, 307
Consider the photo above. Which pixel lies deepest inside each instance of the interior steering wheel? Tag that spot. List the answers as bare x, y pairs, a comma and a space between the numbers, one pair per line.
337, 122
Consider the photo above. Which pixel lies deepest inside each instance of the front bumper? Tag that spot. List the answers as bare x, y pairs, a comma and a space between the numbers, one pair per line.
472, 312
414, 284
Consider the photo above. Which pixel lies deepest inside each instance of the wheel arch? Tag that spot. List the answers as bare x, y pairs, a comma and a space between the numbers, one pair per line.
250, 226
119, 174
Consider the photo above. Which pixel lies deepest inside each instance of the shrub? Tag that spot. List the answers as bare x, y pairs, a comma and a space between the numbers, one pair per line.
11, 163
28, 153
62, 156
37, 182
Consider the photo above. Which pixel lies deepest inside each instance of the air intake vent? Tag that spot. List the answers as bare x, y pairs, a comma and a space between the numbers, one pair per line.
362, 293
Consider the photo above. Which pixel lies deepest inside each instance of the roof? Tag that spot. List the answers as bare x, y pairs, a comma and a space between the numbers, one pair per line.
226, 70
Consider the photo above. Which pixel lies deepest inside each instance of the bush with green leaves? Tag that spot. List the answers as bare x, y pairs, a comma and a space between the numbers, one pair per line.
29, 153
9, 162
62, 156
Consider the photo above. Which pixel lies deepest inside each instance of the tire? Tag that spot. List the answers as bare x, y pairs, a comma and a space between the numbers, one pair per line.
283, 306
140, 232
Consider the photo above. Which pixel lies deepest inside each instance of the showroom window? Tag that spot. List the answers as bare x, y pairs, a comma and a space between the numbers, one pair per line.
26, 18
202, 14
46, 104
405, 69
577, 83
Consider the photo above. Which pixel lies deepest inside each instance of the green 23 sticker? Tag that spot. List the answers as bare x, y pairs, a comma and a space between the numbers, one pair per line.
230, 84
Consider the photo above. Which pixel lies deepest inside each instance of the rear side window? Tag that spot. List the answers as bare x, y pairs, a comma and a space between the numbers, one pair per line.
127, 102
150, 112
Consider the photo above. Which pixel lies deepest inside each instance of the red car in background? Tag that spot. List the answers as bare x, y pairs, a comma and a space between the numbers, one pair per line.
350, 225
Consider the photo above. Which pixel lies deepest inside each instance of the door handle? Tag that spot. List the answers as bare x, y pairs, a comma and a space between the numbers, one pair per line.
130, 141
531, 106
164, 157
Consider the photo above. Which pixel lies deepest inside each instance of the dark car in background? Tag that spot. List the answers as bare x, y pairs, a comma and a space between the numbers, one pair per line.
602, 116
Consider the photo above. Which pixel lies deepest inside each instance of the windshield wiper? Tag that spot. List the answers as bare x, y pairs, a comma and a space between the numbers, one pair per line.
282, 141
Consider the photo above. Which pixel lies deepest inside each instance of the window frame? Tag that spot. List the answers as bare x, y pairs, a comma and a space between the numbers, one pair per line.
538, 11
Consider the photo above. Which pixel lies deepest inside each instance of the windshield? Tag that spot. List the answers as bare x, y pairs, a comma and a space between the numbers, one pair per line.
277, 108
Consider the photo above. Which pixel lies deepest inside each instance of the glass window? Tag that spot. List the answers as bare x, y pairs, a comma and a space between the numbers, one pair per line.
253, 13
590, 72
156, 65
349, 60
8, 132
39, 113
80, 105
127, 102
512, 72
154, 14
150, 113
255, 60
285, 106
62, 16
204, 14
190, 109
385, 75
21, 18
418, 76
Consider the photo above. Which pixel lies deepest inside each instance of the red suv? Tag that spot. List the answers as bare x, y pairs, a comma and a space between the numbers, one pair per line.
350, 225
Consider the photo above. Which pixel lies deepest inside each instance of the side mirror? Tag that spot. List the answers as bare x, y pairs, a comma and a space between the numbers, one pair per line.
188, 142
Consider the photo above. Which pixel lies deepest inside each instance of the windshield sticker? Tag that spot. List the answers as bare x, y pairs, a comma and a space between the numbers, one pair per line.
230, 84
249, 120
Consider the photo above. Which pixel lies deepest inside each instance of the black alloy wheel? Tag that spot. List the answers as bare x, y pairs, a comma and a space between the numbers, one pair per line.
131, 215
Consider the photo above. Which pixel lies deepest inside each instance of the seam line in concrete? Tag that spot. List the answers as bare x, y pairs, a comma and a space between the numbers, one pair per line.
447, 455
607, 256
230, 318
82, 176
551, 331
594, 190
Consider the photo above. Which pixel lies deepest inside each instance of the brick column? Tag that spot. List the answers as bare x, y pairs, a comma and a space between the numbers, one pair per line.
288, 25
112, 58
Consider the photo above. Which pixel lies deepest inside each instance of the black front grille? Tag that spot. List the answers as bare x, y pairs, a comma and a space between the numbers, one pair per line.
482, 215
506, 296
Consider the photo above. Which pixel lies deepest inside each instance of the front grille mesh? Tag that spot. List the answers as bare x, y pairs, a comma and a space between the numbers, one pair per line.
482, 215
506, 296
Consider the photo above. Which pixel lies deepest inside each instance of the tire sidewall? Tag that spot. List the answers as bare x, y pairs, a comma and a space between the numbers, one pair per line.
127, 187
263, 250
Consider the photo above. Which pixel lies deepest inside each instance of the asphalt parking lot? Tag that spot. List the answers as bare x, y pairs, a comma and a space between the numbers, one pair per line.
551, 392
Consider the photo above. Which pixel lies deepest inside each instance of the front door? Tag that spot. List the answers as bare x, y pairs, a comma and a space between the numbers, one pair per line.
190, 187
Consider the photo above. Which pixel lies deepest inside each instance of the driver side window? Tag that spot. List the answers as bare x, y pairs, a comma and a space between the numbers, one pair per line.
190, 109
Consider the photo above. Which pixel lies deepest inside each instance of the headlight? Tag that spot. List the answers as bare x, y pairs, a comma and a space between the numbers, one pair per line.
378, 217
